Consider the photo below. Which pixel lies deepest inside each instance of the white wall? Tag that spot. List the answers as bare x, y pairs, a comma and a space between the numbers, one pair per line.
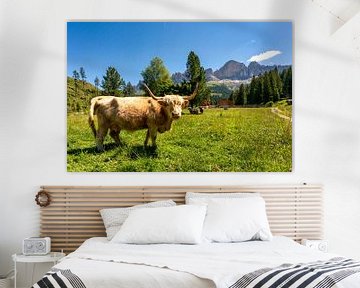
33, 109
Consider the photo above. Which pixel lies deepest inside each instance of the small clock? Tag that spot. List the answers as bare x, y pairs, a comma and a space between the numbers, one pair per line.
36, 246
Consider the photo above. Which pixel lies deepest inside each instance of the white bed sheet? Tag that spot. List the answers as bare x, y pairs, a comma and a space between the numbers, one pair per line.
101, 274
100, 263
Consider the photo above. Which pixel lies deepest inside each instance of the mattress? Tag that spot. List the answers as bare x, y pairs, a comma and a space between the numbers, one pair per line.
99, 263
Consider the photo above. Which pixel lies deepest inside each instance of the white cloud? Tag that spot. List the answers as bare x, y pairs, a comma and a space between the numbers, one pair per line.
264, 56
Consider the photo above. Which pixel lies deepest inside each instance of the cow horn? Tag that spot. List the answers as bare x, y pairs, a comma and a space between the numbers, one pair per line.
192, 96
151, 94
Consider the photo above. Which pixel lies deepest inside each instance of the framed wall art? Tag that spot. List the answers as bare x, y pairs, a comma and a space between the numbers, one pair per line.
179, 96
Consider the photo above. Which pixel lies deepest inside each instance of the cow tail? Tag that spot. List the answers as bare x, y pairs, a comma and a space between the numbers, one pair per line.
92, 112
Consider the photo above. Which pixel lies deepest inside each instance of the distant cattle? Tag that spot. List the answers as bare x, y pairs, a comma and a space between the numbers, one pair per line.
196, 110
155, 114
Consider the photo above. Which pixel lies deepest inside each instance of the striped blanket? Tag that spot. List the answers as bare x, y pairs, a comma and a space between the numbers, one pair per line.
59, 278
320, 274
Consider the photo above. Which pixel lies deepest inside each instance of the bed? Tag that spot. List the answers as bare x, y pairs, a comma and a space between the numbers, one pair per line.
294, 211
99, 263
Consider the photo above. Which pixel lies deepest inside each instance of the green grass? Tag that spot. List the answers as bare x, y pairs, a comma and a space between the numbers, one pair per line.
234, 140
285, 108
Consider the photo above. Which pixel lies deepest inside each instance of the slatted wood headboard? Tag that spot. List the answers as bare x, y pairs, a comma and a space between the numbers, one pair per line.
73, 215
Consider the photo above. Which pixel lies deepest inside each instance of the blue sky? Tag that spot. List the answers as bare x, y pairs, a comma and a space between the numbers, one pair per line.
130, 46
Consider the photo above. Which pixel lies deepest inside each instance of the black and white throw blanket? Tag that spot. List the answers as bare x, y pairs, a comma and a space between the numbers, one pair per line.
320, 274
59, 278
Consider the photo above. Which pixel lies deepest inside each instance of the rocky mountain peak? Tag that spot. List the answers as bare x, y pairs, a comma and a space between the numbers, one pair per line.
233, 70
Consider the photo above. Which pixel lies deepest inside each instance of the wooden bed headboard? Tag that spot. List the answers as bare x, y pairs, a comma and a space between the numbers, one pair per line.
73, 214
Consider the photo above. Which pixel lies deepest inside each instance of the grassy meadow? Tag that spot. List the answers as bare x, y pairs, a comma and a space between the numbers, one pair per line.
233, 140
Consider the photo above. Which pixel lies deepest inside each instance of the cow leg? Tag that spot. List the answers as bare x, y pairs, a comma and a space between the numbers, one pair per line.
100, 136
147, 137
114, 133
153, 134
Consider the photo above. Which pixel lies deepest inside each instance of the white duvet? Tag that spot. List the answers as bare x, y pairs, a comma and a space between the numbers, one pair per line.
100, 263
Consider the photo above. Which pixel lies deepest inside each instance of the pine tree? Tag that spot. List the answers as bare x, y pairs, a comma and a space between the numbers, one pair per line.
112, 82
157, 77
129, 90
287, 83
251, 98
277, 80
267, 88
82, 75
275, 89
241, 96
259, 90
195, 73
232, 96
97, 83
76, 77
282, 75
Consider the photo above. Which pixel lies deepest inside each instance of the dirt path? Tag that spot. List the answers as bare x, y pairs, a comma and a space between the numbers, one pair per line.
279, 113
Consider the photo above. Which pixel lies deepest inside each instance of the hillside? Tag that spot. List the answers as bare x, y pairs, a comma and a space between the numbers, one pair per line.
219, 91
79, 100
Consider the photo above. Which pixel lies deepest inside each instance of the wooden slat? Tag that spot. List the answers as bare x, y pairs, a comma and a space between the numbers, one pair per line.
73, 216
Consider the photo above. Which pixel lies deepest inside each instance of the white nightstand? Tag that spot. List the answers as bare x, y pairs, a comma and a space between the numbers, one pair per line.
53, 257
320, 245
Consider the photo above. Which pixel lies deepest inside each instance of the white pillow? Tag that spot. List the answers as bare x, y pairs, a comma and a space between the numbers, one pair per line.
180, 224
113, 218
236, 220
204, 198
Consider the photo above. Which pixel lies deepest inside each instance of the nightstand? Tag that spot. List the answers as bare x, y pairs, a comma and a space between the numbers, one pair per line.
53, 257
320, 245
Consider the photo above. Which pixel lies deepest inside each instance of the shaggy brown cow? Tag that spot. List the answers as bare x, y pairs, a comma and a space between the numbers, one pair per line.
155, 114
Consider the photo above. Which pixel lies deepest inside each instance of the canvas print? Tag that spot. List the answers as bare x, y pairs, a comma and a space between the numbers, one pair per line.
179, 96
